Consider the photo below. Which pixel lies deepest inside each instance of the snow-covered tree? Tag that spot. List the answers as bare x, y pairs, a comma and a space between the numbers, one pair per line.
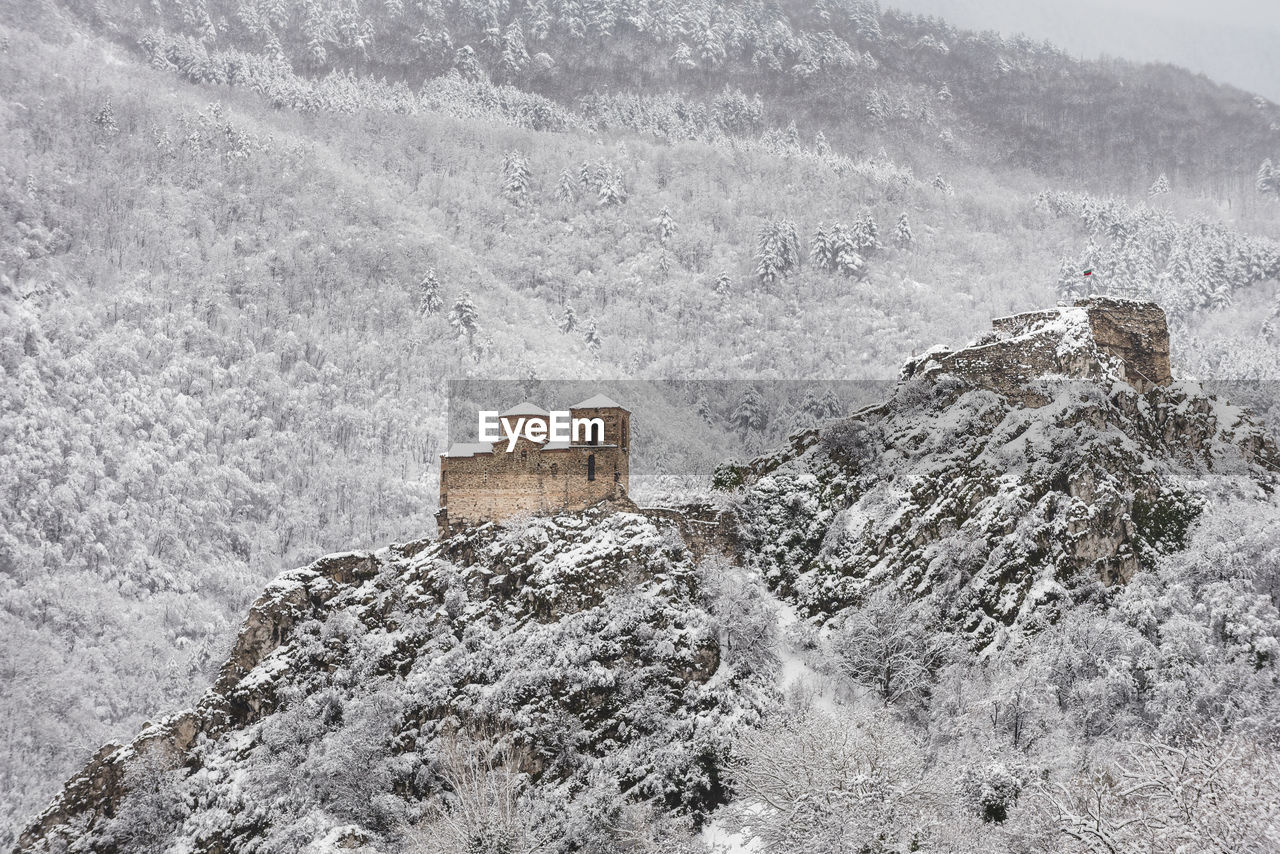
722, 285
751, 414
517, 180
1160, 187
902, 236
612, 189
1268, 180
430, 301
778, 250
829, 781
567, 187
568, 320
464, 318
591, 337
890, 647
665, 224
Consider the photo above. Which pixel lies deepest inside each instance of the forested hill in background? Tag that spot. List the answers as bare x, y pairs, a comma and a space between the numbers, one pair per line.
240, 256
866, 76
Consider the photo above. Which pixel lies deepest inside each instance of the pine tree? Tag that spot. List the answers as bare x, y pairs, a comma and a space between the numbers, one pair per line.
866, 235
822, 252
666, 225
592, 338
514, 54
569, 320
1268, 180
902, 237
104, 121
940, 183
612, 190
516, 178
821, 146
750, 414
464, 319
1160, 187
429, 300
723, 285
779, 250
567, 187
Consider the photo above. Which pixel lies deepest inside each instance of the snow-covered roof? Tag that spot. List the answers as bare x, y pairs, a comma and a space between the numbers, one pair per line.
469, 449
526, 408
598, 401
555, 446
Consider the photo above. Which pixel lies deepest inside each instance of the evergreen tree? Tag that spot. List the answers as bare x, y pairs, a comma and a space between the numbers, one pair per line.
666, 225
1268, 181
104, 121
866, 235
779, 250
902, 237
592, 338
750, 414
429, 299
1160, 187
569, 320
940, 183
567, 187
464, 319
722, 285
514, 54
517, 180
612, 190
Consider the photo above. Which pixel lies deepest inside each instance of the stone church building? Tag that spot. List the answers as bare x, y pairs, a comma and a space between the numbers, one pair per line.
484, 482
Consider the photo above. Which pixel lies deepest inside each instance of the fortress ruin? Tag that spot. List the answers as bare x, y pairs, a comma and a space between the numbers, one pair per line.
485, 482
1086, 340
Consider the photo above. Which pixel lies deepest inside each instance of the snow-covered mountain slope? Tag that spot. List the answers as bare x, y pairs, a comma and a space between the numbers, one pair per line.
595, 657
582, 650
1004, 497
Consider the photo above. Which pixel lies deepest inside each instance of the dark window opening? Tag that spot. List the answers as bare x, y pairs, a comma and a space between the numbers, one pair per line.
591, 467
597, 434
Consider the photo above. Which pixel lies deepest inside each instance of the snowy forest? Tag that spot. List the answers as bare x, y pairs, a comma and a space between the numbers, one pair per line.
246, 244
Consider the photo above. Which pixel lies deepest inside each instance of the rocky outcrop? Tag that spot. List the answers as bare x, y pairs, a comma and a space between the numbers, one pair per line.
1005, 479
423, 629
1097, 338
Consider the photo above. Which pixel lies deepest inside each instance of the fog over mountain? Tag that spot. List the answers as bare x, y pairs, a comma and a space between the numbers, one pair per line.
1234, 41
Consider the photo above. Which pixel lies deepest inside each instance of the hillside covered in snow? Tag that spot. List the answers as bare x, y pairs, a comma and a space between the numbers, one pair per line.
964, 617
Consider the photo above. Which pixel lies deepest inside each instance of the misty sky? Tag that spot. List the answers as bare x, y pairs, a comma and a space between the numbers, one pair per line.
1232, 41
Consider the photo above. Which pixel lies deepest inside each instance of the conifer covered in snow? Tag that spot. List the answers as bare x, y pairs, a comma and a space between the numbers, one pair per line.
517, 180
777, 250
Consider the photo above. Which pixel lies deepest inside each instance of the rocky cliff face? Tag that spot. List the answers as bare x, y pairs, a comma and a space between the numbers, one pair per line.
1006, 479
583, 646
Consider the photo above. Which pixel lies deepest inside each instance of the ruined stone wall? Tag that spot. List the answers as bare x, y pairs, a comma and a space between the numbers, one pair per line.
1134, 332
1009, 366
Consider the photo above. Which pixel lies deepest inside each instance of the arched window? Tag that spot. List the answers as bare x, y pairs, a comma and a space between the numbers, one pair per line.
591, 466
597, 434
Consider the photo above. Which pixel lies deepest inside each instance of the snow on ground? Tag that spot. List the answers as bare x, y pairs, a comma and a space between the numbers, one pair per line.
796, 674
720, 841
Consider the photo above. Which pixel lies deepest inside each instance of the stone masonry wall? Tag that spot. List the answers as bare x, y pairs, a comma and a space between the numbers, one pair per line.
494, 486
1134, 332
